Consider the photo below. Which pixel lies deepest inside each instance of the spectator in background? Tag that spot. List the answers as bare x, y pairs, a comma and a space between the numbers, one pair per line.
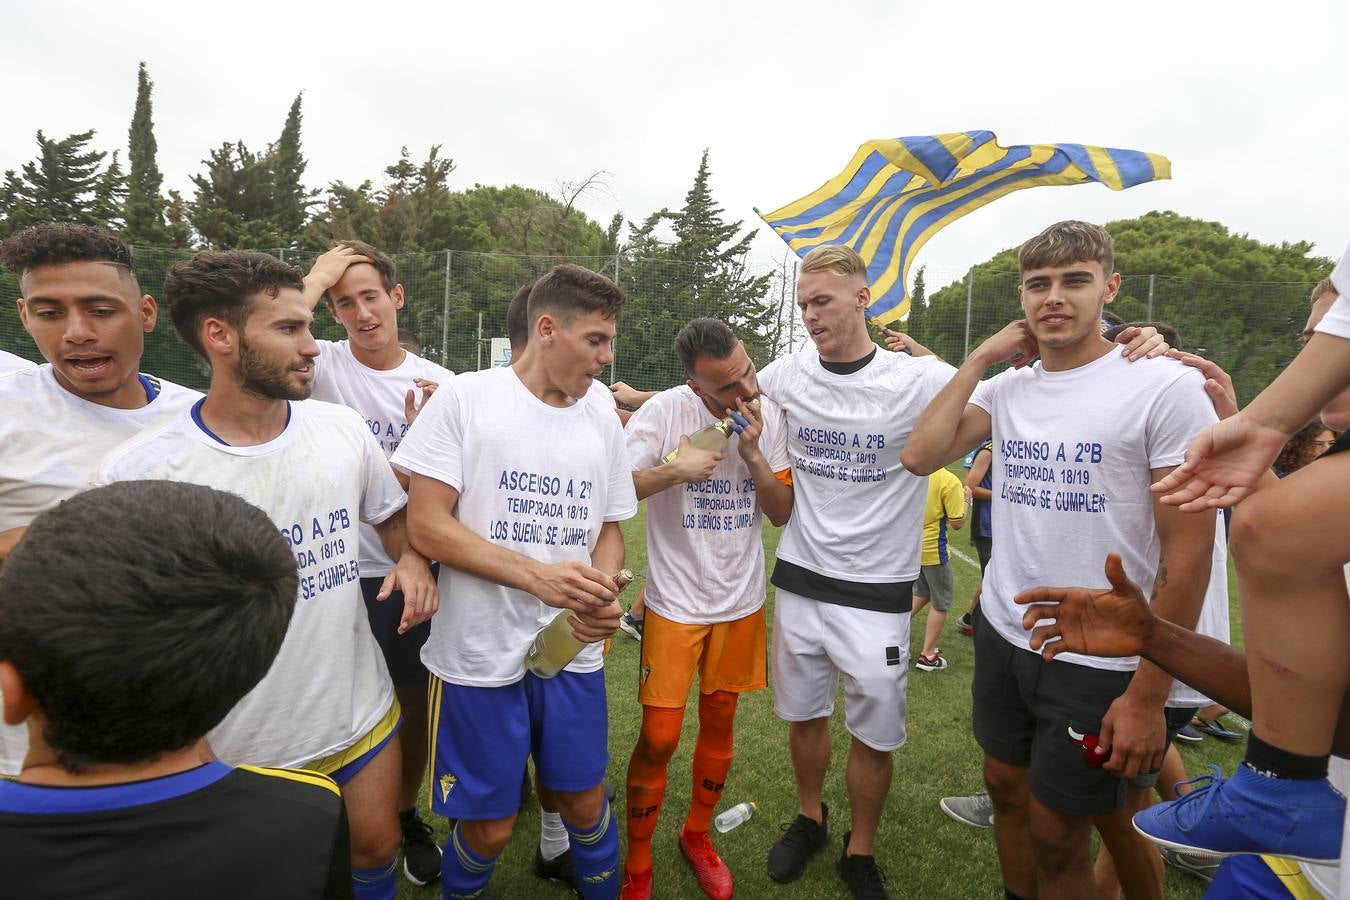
948, 502
1308, 443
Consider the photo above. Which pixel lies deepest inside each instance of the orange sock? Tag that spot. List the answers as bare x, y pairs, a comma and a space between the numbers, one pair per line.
647, 781
712, 756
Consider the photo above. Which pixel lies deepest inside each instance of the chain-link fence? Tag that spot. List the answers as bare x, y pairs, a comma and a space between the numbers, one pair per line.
456, 305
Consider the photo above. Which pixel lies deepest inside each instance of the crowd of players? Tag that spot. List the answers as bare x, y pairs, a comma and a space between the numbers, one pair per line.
237, 629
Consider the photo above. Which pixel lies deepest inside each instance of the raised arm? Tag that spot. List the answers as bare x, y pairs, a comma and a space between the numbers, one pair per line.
327, 271
950, 427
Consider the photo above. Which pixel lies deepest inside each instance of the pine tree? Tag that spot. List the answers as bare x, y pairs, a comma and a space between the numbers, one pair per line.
290, 200
66, 183
232, 205
145, 205
702, 272
915, 324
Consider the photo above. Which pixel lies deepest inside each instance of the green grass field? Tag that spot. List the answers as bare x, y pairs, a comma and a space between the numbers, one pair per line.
923, 853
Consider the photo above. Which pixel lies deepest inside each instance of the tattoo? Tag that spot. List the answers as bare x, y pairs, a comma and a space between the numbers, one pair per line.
1160, 581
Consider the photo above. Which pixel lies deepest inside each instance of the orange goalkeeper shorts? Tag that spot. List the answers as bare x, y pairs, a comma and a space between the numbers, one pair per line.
728, 656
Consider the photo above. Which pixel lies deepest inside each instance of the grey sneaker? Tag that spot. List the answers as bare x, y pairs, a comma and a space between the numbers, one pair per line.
976, 810
631, 626
1201, 865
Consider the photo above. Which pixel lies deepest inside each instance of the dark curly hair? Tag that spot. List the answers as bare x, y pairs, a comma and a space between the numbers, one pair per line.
1299, 451
53, 243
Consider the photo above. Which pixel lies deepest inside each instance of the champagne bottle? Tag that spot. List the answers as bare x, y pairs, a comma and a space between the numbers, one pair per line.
555, 646
713, 438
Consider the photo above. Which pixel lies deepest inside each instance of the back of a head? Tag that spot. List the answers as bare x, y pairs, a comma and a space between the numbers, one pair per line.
566, 292
381, 261
408, 341
837, 258
1068, 242
55, 243
220, 285
1169, 334
703, 337
171, 601
518, 318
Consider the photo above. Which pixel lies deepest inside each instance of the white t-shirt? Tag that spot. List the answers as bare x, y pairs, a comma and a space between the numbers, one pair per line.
317, 480
377, 394
9, 362
845, 433
1337, 320
53, 442
705, 548
536, 479
1071, 472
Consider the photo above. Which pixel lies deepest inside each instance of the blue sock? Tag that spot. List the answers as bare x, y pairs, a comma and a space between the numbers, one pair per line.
464, 873
375, 884
595, 853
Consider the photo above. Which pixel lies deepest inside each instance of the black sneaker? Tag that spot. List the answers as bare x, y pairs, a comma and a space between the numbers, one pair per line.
862, 875
560, 869
421, 856
800, 841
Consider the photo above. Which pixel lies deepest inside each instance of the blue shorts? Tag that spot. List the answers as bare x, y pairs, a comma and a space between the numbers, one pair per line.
402, 652
481, 738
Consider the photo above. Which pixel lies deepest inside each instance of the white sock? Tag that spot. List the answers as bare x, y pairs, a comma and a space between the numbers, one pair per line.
552, 834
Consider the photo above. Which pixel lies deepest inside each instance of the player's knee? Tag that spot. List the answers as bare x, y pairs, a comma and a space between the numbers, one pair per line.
1059, 842
656, 748
716, 712
1254, 536
373, 848
487, 837
582, 809
1007, 786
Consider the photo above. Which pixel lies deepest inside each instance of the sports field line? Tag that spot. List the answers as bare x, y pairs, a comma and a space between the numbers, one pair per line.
963, 557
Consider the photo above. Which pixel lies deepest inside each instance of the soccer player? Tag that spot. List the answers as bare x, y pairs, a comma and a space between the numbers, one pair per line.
173, 610
327, 702
1077, 437
518, 486
9, 362
82, 305
844, 587
705, 584
948, 502
373, 373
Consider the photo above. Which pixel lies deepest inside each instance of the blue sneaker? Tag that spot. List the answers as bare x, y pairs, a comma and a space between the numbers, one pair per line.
1249, 813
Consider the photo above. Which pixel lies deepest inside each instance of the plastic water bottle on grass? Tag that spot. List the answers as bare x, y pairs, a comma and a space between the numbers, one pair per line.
729, 819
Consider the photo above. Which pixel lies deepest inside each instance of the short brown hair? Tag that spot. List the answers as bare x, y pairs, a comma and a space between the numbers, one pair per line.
1321, 288
1068, 242
567, 291
221, 285
382, 263
838, 258
54, 243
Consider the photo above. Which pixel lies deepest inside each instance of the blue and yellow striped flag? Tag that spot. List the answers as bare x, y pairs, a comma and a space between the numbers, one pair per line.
896, 194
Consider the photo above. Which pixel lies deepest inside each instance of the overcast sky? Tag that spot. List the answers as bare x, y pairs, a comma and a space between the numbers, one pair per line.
1248, 99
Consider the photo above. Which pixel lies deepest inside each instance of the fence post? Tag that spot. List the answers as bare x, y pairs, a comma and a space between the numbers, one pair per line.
445, 313
970, 286
1150, 297
614, 356
792, 317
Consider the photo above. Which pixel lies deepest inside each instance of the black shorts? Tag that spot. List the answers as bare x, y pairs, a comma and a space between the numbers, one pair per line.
1026, 713
402, 652
983, 546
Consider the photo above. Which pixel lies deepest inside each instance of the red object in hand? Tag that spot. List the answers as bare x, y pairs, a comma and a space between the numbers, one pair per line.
1088, 742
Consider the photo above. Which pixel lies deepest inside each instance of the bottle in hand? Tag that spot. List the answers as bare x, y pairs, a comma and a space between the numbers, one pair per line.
712, 438
555, 646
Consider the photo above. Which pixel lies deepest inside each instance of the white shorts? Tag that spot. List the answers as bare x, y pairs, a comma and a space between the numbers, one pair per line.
814, 643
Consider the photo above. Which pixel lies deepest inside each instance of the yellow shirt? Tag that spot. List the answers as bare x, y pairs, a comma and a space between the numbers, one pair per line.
946, 500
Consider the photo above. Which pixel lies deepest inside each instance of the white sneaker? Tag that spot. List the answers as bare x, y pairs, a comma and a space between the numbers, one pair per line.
631, 626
